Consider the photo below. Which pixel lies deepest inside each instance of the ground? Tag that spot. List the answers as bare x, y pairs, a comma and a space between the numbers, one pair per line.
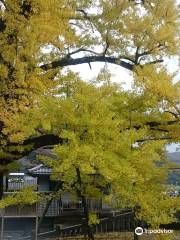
125, 236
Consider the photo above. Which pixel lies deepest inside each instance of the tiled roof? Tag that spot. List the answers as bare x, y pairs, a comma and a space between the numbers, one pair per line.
32, 164
40, 170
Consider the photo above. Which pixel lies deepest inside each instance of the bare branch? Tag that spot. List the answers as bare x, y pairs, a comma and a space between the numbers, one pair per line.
84, 13
106, 48
159, 47
83, 50
107, 44
86, 17
154, 62
137, 55
90, 65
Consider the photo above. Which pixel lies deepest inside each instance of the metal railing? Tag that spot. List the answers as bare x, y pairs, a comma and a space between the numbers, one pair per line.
118, 223
123, 222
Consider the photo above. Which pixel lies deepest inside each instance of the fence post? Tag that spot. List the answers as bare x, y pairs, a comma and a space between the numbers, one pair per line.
36, 229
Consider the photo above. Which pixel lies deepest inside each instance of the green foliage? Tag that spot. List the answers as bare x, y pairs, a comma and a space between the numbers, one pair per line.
24, 197
93, 220
26, 27
106, 140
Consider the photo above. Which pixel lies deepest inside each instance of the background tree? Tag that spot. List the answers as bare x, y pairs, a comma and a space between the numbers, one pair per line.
23, 34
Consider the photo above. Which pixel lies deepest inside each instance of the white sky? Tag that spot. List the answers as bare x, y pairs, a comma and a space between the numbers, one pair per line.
119, 74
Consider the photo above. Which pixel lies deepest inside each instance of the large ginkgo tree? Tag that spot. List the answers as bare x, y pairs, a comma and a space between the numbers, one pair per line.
39, 38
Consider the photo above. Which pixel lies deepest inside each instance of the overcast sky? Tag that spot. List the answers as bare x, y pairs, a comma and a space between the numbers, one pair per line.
119, 74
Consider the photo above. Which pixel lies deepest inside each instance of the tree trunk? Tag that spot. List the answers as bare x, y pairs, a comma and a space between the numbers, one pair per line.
88, 228
135, 225
136, 237
57, 187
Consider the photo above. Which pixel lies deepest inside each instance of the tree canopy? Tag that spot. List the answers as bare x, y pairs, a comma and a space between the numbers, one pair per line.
38, 36
105, 152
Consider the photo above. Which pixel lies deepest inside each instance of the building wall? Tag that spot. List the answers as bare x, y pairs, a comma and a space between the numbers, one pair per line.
43, 183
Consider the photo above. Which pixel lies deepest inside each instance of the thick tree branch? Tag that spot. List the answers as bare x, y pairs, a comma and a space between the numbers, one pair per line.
51, 140
173, 113
71, 61
155, 139
34, 143
56, 189
43, 140
68, 61
155, 125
